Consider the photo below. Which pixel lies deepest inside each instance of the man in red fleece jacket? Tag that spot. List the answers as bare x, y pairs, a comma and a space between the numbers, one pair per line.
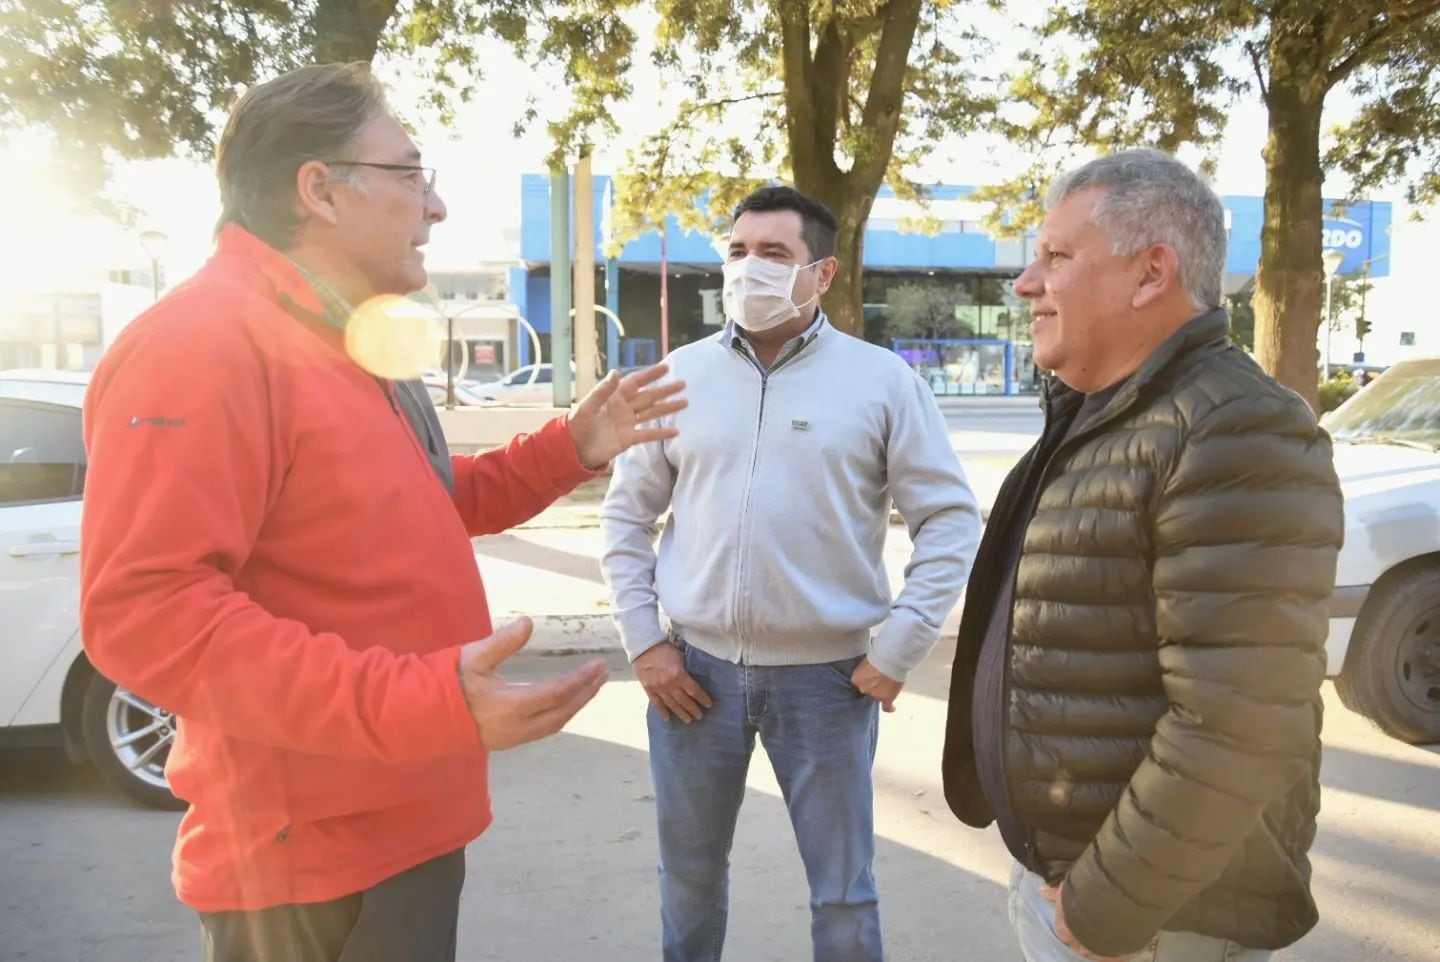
277, 549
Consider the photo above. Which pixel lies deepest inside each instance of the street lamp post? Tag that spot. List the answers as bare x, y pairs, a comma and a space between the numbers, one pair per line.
449, 361
1331, 261
154, 243
1364, 292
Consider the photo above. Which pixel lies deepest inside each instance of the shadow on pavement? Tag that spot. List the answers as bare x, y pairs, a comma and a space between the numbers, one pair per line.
46, 771
1379, 776
507, 547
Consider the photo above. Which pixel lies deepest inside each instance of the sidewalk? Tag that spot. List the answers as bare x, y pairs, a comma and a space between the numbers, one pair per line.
549, 567
955, 401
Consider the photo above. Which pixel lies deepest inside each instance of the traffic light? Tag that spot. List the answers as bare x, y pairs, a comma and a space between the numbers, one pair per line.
1362, 327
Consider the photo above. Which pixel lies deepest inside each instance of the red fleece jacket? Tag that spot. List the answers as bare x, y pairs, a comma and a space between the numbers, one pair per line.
269, 554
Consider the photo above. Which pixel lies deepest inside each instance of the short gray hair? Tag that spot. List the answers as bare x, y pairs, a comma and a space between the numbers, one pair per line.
1151, 198
312, 113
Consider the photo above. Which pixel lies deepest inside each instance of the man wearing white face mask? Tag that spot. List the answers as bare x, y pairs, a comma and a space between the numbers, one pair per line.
769, 571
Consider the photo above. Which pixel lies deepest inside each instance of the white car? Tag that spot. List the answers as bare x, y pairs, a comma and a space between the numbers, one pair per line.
531, 384
49, 693
1384, 642
437, 386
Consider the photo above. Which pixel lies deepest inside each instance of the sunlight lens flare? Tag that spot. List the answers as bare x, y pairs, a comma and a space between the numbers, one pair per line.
394, 337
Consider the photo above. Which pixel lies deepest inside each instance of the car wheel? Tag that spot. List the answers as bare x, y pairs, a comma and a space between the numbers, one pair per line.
1392, 670
128, 740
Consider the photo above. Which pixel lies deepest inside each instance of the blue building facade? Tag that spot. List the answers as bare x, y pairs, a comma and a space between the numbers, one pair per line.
960, 250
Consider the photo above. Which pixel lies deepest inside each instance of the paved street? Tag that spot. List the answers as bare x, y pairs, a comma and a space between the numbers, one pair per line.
567, 873
998, 424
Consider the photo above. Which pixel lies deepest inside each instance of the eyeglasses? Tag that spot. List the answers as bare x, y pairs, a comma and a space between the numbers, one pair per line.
427, 172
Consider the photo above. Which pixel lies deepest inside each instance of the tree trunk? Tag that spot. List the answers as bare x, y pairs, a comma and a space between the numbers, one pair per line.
1289, 286
850, 201
844, 303
813, 86
350, 30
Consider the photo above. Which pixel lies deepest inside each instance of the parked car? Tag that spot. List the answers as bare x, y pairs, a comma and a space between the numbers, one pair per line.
465, 396
530, 384
1384, 642
49, 693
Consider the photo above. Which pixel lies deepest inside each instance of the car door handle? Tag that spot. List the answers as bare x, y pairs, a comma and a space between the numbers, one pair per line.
36, 548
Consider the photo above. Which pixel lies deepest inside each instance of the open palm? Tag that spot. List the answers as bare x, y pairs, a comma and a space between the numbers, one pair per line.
613, 416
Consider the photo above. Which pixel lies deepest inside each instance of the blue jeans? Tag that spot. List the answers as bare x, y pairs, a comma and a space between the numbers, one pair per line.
1033, 918
819, 732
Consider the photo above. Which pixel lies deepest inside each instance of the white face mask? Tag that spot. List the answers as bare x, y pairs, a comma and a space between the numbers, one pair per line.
757, 293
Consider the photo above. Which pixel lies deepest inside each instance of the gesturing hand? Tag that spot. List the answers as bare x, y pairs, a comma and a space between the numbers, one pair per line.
510, 714
609, 419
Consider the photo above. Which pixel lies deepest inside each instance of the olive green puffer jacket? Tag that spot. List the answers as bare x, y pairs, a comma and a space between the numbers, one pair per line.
1162, 729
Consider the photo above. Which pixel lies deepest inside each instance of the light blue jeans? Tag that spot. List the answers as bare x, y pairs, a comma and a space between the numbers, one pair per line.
819, 732
1033, 918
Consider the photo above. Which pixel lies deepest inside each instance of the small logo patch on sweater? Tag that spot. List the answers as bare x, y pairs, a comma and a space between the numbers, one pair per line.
798, 425
139, 422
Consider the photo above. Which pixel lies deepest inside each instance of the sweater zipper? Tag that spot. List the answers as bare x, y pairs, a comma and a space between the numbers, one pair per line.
747, 514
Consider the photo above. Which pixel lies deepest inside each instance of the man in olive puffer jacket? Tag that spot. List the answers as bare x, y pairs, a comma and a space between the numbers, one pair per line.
1136, 690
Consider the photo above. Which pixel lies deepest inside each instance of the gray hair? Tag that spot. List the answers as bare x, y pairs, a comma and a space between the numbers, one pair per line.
313, 113
1151, 198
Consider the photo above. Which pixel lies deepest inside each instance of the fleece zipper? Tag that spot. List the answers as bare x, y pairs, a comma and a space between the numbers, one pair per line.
747, 513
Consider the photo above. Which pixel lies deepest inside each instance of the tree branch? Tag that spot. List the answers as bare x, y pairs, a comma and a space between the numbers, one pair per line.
731, 101
881, 114
795, 69
1392, 25
348, 30
1254, 53
828, 84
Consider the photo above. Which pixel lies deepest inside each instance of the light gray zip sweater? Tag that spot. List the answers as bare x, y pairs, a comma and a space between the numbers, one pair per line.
779, 487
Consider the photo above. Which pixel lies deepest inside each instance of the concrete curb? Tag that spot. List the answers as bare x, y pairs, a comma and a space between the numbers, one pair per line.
573, 635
